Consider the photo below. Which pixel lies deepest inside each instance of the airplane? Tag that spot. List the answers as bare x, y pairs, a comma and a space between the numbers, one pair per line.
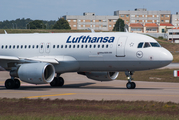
40, 58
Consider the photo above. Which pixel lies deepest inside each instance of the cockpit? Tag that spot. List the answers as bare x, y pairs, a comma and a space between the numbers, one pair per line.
148, 44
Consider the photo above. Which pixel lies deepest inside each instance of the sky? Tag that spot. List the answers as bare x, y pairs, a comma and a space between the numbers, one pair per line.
54, 9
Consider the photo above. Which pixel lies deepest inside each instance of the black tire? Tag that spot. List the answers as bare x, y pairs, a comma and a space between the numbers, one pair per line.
9, 84
54, 82
17, 84
133, 85
61, 81
129, 85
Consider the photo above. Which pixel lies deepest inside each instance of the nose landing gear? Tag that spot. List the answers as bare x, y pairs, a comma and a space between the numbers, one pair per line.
130, 84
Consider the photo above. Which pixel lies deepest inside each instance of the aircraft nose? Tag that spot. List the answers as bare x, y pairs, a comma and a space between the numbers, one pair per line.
165, 56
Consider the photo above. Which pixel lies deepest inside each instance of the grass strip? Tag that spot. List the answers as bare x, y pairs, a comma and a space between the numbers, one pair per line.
37, 109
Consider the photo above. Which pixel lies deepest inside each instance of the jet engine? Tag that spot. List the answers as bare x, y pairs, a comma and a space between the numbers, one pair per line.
35, 73
101, 76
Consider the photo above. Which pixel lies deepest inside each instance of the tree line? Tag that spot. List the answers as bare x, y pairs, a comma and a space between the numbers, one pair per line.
61, 23
34, 24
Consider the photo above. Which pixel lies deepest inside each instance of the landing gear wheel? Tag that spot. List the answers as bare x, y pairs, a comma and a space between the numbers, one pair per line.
57, 82
9, 84
17, 83
61, 82
133, 85
54, 82
130, 85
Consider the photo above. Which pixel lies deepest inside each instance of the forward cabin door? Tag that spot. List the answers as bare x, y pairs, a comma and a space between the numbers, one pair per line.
120, 48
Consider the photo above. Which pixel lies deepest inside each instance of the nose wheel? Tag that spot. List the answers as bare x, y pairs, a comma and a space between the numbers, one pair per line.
130, 84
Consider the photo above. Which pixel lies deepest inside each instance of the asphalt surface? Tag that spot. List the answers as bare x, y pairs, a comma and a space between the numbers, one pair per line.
79, 87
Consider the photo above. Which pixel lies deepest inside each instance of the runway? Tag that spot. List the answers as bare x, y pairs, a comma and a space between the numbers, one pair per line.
79, 87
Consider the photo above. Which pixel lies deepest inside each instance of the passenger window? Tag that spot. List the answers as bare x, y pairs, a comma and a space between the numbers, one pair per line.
78, 46
73, 46
98, 46
140, 45
102, 46
33, 46
61, 46
21, 46
69, 46
53, 46
106, 46
9, 46
2, 46
94, 46
25, 46
17, 46
6, 46
146, 45
29, 46
57, 46
86, 46
37, 46
81, 46
65, 46
90, 46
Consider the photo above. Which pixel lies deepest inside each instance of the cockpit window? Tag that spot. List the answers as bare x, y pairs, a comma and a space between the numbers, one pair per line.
147, 45
140, 45
153, 44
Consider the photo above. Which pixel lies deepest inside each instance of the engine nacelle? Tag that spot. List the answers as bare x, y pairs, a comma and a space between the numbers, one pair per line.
102, 76
36, 73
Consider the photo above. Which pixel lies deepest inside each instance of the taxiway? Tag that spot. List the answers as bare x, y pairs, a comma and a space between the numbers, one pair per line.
79, 87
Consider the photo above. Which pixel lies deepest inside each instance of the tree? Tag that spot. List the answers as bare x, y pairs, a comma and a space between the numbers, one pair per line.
36, 24
61, 24
119, 26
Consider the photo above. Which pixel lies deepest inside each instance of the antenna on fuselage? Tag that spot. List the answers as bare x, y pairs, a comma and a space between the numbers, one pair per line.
92, 30
5, 32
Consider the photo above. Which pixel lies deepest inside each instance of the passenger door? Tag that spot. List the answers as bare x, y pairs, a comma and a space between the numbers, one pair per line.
120, 48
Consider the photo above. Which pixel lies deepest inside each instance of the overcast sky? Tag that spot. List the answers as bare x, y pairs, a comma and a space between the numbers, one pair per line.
54, 9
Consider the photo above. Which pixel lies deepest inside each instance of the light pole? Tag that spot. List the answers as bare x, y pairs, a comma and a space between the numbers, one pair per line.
12, 25
27, 24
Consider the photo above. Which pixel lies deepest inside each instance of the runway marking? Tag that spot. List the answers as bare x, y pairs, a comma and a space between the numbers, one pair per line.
1, 82
129, 94
50, 95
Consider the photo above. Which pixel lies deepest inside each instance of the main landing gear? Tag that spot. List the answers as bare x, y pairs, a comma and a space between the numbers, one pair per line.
12, 83
57, 81
130, 84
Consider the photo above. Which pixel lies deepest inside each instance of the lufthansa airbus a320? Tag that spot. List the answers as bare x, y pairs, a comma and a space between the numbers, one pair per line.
42, 58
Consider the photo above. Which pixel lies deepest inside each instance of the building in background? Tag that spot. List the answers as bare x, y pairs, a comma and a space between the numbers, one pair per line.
144, 16
90, 20
164, 27
175, 19
138, 21
173, 35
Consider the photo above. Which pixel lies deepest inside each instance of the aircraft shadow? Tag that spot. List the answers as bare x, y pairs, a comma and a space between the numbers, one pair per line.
77, 86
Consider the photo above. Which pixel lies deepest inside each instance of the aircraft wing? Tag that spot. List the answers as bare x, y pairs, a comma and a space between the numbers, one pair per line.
8, 58
52, 59
48, 59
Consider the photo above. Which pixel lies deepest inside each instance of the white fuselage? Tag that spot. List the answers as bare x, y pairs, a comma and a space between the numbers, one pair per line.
77, 52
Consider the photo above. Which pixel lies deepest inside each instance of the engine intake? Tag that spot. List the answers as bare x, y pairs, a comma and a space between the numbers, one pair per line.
35, 73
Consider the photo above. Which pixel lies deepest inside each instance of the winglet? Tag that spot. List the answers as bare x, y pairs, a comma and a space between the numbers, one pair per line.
92, 30
5, 32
